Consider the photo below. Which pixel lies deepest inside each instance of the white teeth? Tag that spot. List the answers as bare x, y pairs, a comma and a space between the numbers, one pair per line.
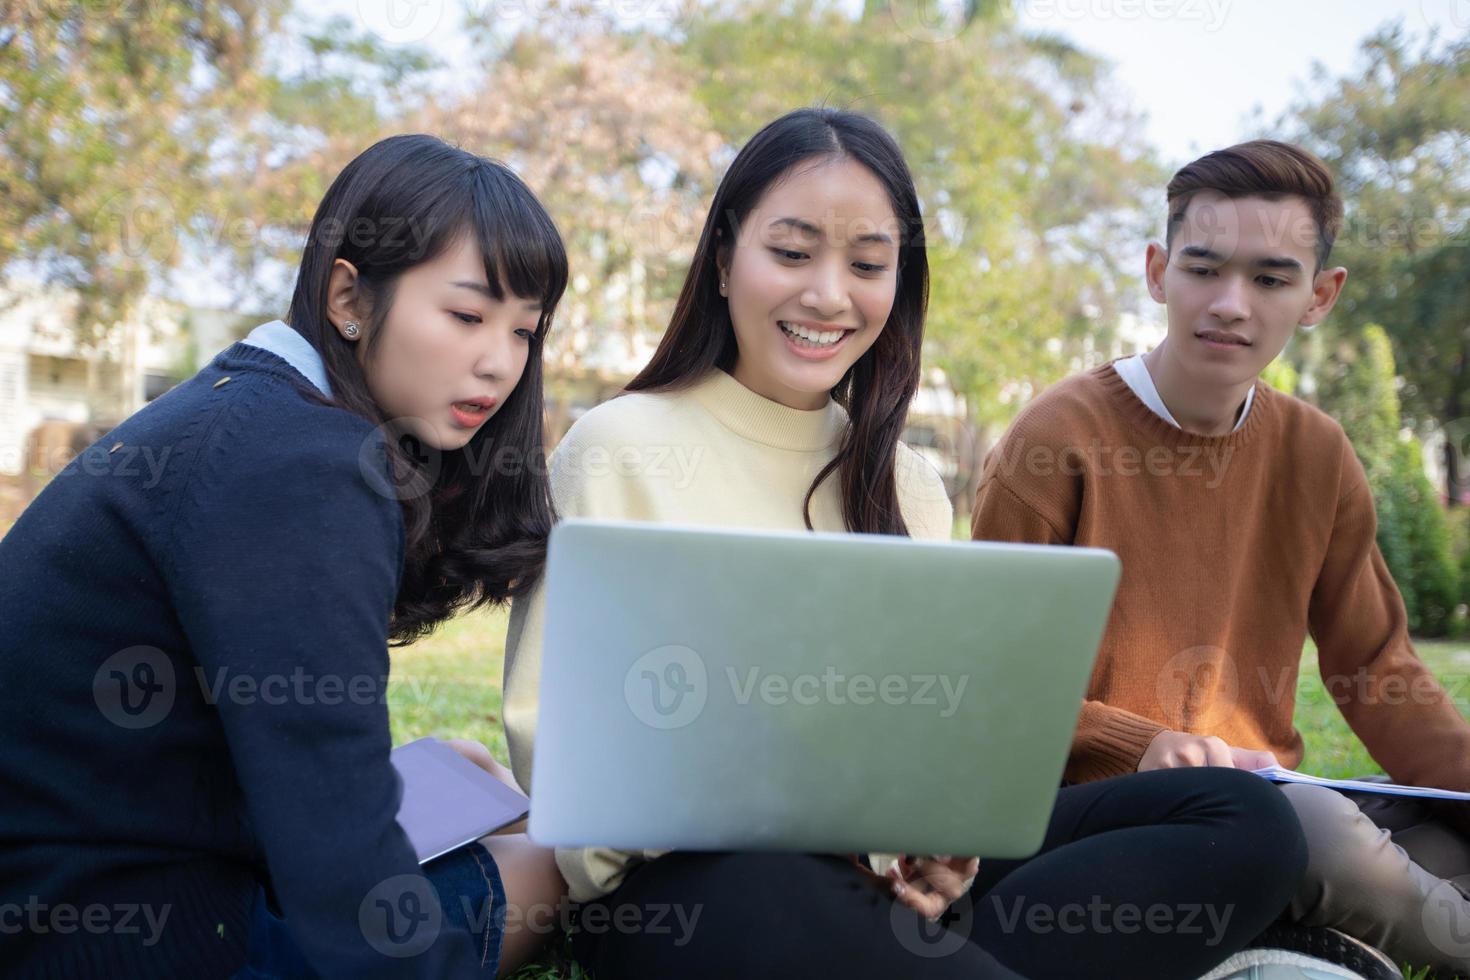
822, 338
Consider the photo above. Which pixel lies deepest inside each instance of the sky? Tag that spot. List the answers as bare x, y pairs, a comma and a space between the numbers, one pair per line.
1198, 69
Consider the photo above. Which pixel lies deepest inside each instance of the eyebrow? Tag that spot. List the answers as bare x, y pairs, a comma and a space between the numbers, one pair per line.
484, 290
1269, 262
872, 238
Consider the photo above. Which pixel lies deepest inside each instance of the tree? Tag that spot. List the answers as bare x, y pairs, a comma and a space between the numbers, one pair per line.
146, 136
602, 126
1412, 531
1397, 136
108, 112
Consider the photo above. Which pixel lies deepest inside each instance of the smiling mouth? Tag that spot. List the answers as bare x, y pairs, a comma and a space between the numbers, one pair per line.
814, 339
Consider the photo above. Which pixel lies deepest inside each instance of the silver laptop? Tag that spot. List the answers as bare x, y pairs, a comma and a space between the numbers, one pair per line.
709, 689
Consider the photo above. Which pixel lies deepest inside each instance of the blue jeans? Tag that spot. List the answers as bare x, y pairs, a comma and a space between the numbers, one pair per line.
467, 882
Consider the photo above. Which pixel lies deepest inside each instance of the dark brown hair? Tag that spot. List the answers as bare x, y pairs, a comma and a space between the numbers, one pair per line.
475, 533
875, 391
1267, 169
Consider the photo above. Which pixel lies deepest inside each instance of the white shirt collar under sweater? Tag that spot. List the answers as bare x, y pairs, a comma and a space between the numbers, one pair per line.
1135, 374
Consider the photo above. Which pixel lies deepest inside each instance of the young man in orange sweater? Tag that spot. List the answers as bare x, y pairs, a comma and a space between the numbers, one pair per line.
1244, 521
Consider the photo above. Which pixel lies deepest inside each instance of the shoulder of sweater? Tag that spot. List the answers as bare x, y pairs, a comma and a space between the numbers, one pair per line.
264, 428
1313, 440
635, 418
921, 489
1072, 412
1302, 419
1076, 405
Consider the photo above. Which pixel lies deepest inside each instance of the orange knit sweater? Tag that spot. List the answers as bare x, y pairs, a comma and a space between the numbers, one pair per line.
1233, 549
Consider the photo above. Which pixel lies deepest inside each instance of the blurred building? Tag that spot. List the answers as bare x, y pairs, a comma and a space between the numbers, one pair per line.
55, 392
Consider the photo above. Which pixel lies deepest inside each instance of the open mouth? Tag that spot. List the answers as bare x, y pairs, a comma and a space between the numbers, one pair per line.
811, 342
473, 414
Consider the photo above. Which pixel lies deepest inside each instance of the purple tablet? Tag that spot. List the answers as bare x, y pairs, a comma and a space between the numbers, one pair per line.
449, 801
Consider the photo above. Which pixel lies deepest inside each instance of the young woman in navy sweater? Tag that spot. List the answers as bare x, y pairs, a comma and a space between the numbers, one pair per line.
195, 613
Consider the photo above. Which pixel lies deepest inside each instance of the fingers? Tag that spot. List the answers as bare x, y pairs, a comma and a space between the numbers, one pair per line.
1252, 758
930, 905
1217, 752
1171, 750
930, 885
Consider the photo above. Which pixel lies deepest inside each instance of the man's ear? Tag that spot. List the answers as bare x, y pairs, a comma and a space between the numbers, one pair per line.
1155, 261
342, 300
1326, 288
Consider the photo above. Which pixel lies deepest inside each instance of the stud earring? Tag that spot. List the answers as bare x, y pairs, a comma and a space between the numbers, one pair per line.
350, 328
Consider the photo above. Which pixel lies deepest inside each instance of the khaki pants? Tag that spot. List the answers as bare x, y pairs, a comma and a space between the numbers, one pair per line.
1385, 870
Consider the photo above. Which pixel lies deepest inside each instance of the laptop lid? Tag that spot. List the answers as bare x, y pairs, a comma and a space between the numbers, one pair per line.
715, 689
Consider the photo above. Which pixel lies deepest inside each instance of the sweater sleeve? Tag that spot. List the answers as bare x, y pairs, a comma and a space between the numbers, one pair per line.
923, 497
285, 566
1389, 698
1109, 740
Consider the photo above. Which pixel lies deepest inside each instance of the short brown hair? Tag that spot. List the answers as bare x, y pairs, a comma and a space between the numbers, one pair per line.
1261, 168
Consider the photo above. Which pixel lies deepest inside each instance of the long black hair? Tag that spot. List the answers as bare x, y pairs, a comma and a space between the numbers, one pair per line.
877, 390
475, 533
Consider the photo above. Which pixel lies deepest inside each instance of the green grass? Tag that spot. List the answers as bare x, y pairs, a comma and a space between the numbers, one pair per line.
449, 685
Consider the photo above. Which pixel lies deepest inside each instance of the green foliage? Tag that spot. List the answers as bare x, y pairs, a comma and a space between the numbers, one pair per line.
141, 134
1432, 567
1413, 533
1281, 375
1397, 136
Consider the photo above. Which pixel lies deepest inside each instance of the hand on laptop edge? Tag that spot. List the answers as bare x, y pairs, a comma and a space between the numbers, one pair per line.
1174, 750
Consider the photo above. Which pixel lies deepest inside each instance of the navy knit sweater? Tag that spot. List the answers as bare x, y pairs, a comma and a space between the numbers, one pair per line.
193, 663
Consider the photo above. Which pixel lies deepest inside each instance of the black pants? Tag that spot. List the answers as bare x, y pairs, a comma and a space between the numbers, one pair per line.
1159, 874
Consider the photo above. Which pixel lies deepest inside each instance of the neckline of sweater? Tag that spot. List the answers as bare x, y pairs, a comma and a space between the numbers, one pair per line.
1163, 432
759, 419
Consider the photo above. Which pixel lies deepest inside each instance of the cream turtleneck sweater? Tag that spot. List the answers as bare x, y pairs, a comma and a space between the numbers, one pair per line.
714, 454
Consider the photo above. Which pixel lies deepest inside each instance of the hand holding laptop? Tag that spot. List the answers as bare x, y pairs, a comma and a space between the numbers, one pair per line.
929, 885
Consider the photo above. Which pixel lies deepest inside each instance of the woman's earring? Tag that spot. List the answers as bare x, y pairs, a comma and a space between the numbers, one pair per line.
350, 328
722, 287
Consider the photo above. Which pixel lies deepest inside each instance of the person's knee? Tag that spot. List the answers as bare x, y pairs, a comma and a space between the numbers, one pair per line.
1345, 849
1263, 824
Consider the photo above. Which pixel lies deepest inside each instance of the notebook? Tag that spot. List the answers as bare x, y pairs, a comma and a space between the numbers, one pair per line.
449, 801
1279, 775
